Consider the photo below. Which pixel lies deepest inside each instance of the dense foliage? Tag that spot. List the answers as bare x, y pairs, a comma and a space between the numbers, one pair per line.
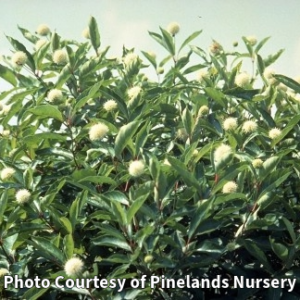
195, 173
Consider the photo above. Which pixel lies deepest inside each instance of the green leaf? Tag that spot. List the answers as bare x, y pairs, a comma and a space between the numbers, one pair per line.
67, 224
125, 134
279, 249
49, 250
3, 204
255, 251
35, 293
290, 228
68, 246
150, 58
135, 206
289, 82
186, 175
187, 121
261, 43
8, 75
94, 33
32, 140
272, 58
47, 111
63, 76
55, 43
201, 213
168, 41
189, 39
111, 242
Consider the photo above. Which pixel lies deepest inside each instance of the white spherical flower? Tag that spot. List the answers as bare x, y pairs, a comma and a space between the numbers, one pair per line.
242, 79
130, 59
268, 74
134, 92
282, 87
136, 168
251, 39
5, 133
222, 152
40, 43
257, 163
19, 59
204, 110
215, 48
60, 57
181, 134
3, 272
110, 105
5, 109
230, 124
229, 187
98, 131
55, 95
43, 29
249, 126
86, 33
23, 196
274, 133
74, 266
202, 74
7, 173
173, 28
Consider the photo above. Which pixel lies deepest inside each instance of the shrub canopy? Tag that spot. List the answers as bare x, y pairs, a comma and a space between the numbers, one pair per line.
195, 173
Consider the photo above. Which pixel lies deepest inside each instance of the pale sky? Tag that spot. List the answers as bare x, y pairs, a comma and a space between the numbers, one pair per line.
126, 22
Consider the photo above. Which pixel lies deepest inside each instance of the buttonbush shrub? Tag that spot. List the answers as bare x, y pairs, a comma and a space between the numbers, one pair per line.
193, 173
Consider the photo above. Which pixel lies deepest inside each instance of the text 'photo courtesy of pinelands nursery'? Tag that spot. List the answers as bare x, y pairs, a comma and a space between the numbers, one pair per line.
115, 185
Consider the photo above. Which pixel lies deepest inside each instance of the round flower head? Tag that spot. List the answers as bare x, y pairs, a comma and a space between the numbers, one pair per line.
204, 110
274, 133
257, 163
134, 92
230, 124
23, 196
268, 74
74, 266
5, 133
251, 39
19, 59
242, 79
110, 105
130, 59
249, 126
40, 43
182, 134
3, 272
202, 74
229, 187
222, 152
55, 95
173, 28
136, 168
7, 173
60, 57
43, 29
86, 33
98, 131
215, 48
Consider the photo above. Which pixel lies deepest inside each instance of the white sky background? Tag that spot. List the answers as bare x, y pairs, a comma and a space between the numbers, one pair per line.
126, 22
